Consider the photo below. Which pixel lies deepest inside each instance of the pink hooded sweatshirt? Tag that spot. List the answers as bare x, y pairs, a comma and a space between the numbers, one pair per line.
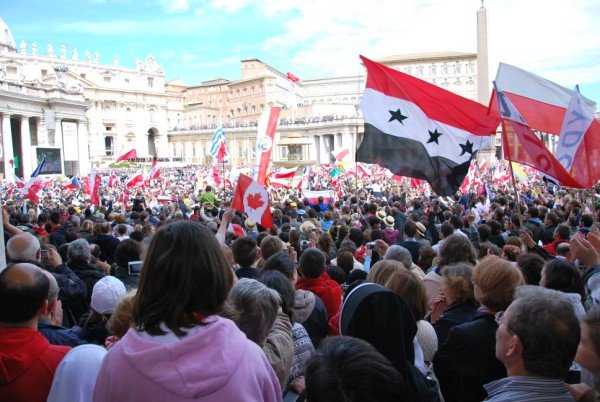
216, 363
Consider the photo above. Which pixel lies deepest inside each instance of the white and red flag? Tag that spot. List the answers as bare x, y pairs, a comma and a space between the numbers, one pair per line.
135, 180
154, 172
18, 181
113, 180
285, 173
520, 144
313, 196
127, 155
265, 141
279, 183
340, 153
253, 199
541, 102
216, 177
578, 147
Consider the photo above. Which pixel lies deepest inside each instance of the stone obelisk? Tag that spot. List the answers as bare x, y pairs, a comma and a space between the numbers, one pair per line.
483, 76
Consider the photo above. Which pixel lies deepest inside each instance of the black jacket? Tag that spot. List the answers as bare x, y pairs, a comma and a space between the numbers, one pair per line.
108, 246
88, 274
130, 281
467, 360
59, 335
456, 314
57, 237
413, 247
316, 323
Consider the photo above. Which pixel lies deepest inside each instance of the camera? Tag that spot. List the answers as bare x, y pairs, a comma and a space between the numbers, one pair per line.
134, 267
304, 244
371, 245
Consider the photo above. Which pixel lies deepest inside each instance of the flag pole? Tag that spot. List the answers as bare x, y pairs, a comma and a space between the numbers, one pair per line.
518, 204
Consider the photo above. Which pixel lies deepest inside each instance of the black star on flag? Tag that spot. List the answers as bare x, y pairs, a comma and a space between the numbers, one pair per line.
467, 148
397, 115
434, 136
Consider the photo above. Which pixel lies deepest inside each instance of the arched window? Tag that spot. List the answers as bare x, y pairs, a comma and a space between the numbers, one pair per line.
457, 69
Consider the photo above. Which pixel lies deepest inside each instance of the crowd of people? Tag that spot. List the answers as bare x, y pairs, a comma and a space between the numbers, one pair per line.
386, 293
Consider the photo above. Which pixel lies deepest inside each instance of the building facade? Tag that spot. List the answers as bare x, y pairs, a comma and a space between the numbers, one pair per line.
75, 110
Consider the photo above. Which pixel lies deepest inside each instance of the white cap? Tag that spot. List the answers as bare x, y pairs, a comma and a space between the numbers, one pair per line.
106, 294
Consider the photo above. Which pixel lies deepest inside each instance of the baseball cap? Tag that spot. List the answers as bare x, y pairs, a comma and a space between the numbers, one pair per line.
106, 294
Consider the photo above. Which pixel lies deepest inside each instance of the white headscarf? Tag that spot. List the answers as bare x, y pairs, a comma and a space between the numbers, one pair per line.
76, 374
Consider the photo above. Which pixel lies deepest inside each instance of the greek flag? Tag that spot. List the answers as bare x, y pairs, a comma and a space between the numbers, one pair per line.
218, 137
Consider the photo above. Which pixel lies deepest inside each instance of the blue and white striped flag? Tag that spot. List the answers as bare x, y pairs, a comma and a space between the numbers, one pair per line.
218, 137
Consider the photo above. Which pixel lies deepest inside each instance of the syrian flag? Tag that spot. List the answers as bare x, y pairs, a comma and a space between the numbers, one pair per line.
578, 148
72, 183
419, 130
340, 153
135, 180
541, 102
127, 155
313, 196
94, 188
285, 173
253, 199
520, 144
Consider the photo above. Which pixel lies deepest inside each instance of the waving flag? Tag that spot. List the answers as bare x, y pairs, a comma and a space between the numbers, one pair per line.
313, 196
127, 155
218, 142
135, 180
520, 144
72, 183
578, 148
39, 168
340, 153
113, 180
285, 173
94, 187
265, 140
253, 199
419, 130
18, 181
541, 102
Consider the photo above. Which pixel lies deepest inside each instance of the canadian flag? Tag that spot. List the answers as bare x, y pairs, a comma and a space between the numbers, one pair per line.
253, 199
94, 186
134, 180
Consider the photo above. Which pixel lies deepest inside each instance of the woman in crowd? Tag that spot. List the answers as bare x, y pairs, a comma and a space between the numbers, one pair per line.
454, 305
179, 348
381, 272
467, 359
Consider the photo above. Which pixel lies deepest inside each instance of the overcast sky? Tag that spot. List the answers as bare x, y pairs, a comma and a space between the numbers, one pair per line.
201, 40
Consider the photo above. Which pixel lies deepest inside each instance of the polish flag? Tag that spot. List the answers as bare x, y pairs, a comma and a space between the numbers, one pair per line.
153, 173
31, 189
127, 155
363, 170
135, 180
253, 199
340, 154
112, 180
279, 183
285, 173
10, 189
313, 196
265, 141
124, 197
18, 181
236, 229
72, 183
541, 103
520, 144
166, 198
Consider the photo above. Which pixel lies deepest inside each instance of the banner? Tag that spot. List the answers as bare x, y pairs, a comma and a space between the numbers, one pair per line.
265, 140
70, 144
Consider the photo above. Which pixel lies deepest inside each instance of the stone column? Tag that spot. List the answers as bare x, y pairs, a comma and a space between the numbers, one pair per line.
83, 148
28, 160
7, 145
58, 142
483, 79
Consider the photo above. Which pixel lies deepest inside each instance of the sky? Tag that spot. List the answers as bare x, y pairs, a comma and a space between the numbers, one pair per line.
198, 40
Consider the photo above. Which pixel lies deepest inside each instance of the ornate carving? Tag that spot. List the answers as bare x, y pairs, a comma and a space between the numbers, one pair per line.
34, 49
23, 47
74, 54
50, 50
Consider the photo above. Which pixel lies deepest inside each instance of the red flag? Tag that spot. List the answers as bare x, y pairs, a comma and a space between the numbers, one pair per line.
127, 155
216, 177
265, 139
112, 181
279, 183
125, 197
252, 198
134, 180
292, 77
94, 186
222, 152
236, 229
31, 189
520, 144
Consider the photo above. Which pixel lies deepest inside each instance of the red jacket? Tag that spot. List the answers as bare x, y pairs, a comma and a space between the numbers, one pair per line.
326, 288
551, 247
27, 365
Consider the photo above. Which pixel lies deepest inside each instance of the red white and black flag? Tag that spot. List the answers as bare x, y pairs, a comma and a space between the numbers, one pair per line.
416, 129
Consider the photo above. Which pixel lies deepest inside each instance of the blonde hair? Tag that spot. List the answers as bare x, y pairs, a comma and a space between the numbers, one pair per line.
497, 279
458, 279
381, 272
411, 289
120, 321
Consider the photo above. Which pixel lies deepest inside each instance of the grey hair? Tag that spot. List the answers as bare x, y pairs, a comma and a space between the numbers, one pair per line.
53, 289
79, 251
548, 328
253, 307
348, 245
23, 247
75, 220
400, 254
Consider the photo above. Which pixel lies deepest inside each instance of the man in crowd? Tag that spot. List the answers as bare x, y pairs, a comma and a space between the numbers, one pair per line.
27, 360
537, 339
315, 279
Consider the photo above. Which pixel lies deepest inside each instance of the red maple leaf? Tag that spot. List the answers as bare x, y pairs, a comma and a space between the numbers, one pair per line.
255, 201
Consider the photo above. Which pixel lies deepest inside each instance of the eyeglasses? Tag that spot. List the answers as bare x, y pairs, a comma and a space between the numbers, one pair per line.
499, 317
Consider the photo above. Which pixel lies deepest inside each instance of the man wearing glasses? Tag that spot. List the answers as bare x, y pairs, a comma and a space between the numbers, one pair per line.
536, 341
